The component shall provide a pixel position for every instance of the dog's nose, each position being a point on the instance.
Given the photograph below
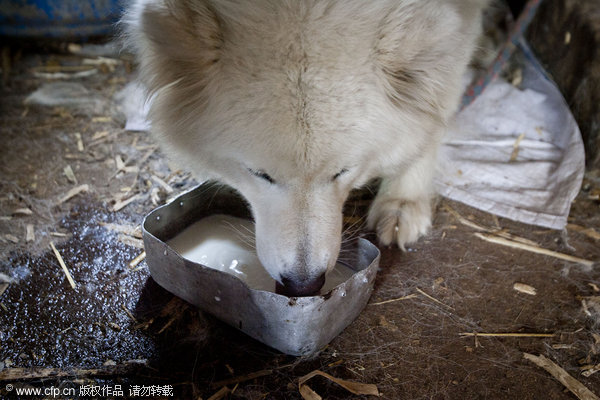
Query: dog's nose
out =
(298, 286)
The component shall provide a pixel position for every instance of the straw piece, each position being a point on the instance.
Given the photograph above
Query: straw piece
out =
(65, 75)
(590, 370)
(465, 221)
(561, 346)
(353, 387)
(433, 299)
(3, 287)
(168, 324)
(58, 234)
(516, 144)
(74, 192)
(562, 376)
(68, 171)
(5, 278)
(134, 263)
(80, 147)
(146, 156)
(99, 135)
(129, 314)
(482, 334)
(120, 164)
(497, 231)
(123, 203)
(308, 394)
(111, 63)
(29, 233)
(514, 238)
(524, 288)
(63, 266)
(410, 296)
(102, 119)
(23, 211)
(533, 249)
(162, 183)
(131, 241)
(589, 232)
(114, 326)
(129, 230)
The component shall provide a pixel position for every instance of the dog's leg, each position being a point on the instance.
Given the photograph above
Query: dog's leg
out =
(401, 212)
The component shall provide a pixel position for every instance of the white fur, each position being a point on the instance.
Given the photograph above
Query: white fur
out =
(301, 90)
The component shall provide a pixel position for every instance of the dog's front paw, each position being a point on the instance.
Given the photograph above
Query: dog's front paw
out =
(400, 221)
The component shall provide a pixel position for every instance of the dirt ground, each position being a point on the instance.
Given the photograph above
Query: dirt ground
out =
(414, 340)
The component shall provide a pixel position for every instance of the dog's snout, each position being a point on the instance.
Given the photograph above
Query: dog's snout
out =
(299, 286)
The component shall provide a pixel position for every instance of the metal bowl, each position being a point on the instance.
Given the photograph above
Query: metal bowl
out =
(292, 325)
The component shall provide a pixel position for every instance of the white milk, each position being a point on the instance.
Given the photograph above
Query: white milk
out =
(226, 243)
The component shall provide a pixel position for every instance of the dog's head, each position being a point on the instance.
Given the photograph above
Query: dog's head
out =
(296, 103)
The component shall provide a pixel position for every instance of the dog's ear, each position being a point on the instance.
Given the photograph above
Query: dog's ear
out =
(419, 46)
(180, 43)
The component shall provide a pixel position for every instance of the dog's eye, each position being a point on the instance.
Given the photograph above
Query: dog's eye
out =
(262, 175)
(342, 172)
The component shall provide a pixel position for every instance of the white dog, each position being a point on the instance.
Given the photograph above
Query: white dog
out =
(296, 102)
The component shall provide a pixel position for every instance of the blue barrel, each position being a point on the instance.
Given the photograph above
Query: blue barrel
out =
(58, 18)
